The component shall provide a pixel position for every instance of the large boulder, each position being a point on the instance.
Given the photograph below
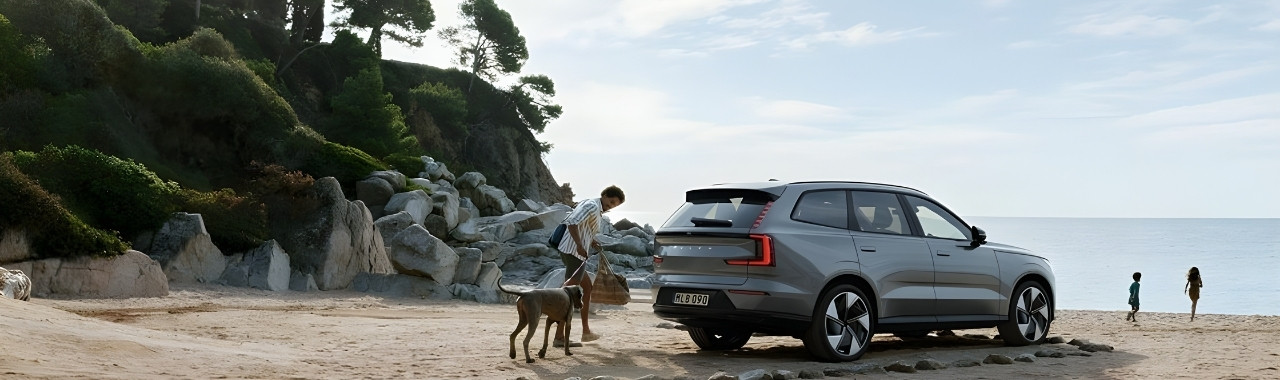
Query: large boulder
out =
(185, 251)
(436, 225)
(337, 240)
(491, 201)
(375, 193)
(395, 178)
(469, 260)
(446, 204)
(435, 170)
(627, 245)
(415, 252)
(390, 225)
(467, 232)
(496, 228)
(417, 203)
(132, 274)
(400, 285)
(14, 246)
(265, 267)
(14, 284)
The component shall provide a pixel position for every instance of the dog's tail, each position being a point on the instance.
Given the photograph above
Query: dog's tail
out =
(504, 290)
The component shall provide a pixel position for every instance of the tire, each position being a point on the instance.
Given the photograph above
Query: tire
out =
(842, 326)
(1030, 313)
(719, 339)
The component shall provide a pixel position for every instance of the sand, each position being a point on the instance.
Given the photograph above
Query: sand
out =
(203, 331)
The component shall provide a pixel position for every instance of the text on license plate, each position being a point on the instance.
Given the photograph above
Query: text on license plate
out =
(692, 299)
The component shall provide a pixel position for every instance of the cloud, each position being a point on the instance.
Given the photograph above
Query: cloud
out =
(644, 17)
(790, 13)
(1102, 25)
(1029, 44)
(861, 34)
(1273, 26)
(1160, 74)
(796, 111)
(1221, 112)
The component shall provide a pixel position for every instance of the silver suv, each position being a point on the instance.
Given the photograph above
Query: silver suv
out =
(832, 263)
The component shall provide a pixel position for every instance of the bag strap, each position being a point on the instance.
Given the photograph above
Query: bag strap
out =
(604, 265)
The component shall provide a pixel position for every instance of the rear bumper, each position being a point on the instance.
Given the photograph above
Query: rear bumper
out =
(721, 313)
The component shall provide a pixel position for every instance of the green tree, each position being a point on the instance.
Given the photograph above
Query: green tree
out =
(77, 33)
(446, 104)
(142, 17)
(402, 21)
(532, 98)
(364, 117)
(488, 42)
(18, 68)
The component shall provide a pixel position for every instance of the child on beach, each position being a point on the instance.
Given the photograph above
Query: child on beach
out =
(1133, 298)
(1192, 289)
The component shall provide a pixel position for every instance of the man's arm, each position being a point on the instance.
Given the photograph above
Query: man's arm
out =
(577, 239)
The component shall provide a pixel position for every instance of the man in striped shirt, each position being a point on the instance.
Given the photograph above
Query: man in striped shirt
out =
(582, 225)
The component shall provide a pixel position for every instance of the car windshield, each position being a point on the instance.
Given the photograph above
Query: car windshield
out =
(739, 207)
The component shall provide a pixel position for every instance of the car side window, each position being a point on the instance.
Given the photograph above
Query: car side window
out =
(936, 221)
(879, 212)
(828, 208)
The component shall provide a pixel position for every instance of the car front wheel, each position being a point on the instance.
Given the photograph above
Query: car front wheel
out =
(719, 339)
(842, 325)
(1030, 313)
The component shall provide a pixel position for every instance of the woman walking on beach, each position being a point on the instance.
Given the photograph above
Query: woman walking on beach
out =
(1133, 297)
(1193, 289)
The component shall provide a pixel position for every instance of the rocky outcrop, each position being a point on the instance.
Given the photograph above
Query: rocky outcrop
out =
(185, 251)
(338, 240)
(132, 274)
(415, 252)
(417, 203)
(265, 267)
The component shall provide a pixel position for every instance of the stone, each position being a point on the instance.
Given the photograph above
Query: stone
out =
(131, 274)
(417, 203)
(930, 364)
(390, 225)
(302, 282)
(489, 249)
(722, 376)
(469, 260)
(415, 252)
(466, 232)
(472, 292)
(812, 374)
(186, 252)
(1095, 347)
(374, 191)
(755, 374)
(1078, 342)
(529, 205)
(14, 284)
(400, 285)
(335, 241)
(997, 359)
(1050, 354)
(962, 363)
(436, 225)
(899, 367)
(1055, 340)
(446, 205)
(397, 180)
(976, 336)
(265, 267)
(1025, 358)
(489, 276)
(627, 245)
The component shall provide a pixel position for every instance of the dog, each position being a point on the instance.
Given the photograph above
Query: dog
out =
(556, 303)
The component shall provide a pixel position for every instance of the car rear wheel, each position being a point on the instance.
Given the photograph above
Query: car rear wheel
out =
(842, 326)
(1029, 315)
(719, 339)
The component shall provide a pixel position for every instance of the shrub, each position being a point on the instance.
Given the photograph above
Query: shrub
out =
(365, 118)
(54, 232)
(236, 223)
(102, 190)
(345, 163)
(447, 105)
(408, 164)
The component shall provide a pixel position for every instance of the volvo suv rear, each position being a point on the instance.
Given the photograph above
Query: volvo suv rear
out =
(832, 263)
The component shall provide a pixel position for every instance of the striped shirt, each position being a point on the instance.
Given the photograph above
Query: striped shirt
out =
(587, 217)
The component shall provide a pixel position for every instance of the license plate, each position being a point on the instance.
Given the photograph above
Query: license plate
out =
(694, 299)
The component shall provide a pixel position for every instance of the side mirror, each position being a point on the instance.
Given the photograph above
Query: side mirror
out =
(979, 236)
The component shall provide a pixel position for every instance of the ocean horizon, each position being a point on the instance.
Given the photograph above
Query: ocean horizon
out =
(1094, 259)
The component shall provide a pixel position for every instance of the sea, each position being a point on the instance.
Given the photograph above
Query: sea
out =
(1094, 260)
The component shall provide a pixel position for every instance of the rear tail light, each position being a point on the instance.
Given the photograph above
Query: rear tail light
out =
(764, 246)
(760, 218)
(657, 259)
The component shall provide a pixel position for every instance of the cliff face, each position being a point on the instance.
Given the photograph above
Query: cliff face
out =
(510, 160)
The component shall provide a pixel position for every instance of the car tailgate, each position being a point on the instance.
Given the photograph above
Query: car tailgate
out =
(700, 259)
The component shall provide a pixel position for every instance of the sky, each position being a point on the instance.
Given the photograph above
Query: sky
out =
(1166, 109)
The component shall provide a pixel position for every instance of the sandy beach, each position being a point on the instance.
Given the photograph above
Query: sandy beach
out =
(201, 331)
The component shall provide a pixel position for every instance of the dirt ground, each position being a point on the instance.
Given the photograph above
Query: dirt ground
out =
(220, 332)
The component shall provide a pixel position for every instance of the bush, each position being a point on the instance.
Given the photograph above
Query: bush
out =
(344, 163)
(407, 164)
(54, 231)
(365, 118)
(235, 223)
(447, 105)
(102, 190)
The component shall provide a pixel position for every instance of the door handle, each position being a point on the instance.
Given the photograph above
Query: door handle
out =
(867, 249)
(941, 253)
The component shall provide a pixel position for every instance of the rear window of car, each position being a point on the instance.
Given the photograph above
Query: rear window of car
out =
(739, 207)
